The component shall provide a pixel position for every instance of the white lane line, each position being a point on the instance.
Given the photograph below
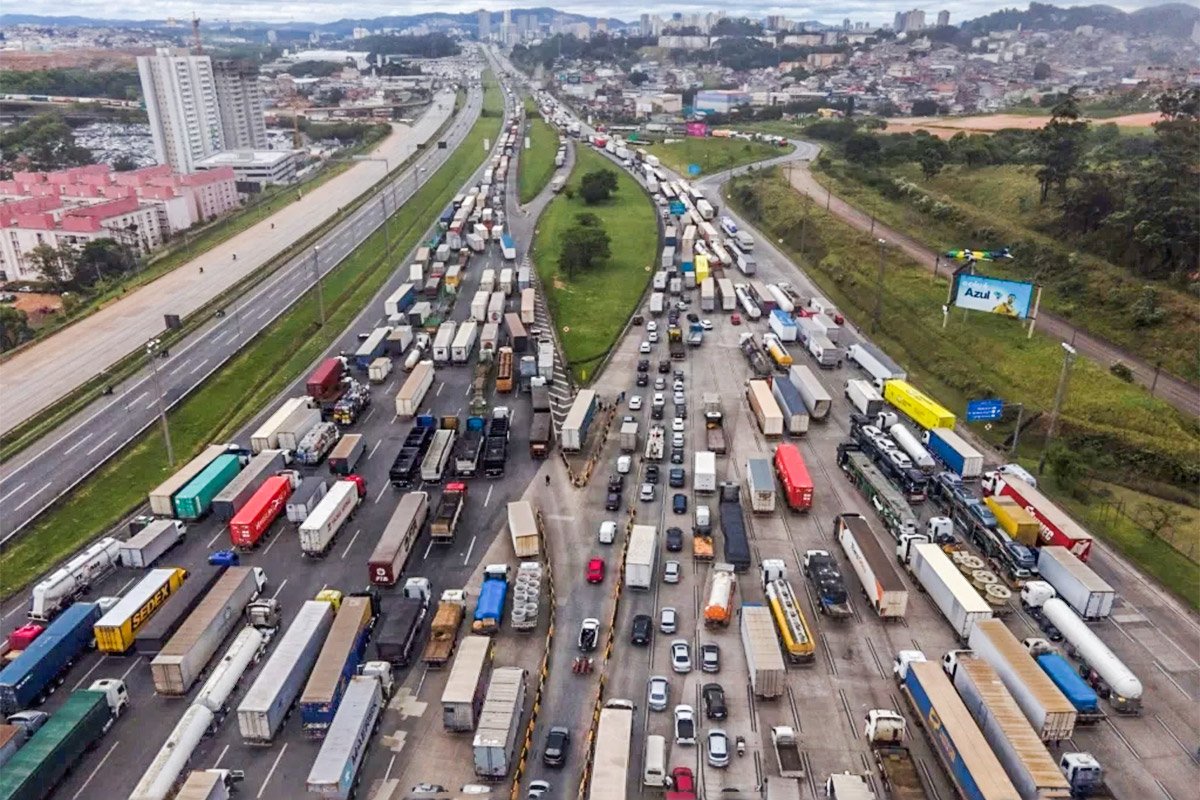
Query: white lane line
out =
(467, 560)
(138, 398)
(267, 549)
(99, 767)
(87, 674)
(428, 547)
(131, 666)
(488, 499)
(194, 369)
(128, 583)
(103, 442)
(279, 588)
(28, 500)
(352, 540)
(369, 413)
(14, 490)
(391, 386)
(182, 364)
(438, 393)
(391, 764)
(215, 537)
(267, 780)
(221, 757)
(13, 611)
(379, 496)
(151, 404)
(75, 446)
(373, 449)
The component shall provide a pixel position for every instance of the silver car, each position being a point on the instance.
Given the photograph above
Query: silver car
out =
(718, 748)
(681, 656)
(658, 693)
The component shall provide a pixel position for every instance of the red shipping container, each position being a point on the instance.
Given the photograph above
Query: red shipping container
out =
(797, 484)
(22, 637)
(325, 380)
(253, 519)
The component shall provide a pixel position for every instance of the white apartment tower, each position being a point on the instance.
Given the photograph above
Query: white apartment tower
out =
(181, 101)
(240, 103)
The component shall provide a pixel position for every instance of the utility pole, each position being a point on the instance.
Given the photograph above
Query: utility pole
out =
(1059, 396)
(152, 351)
(317, 275)
(878, 315)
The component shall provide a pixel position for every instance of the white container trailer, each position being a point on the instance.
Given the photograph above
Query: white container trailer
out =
(267, 435)
(816, 399)
(704, 476)
(949, 589)
(495, 309)
(228, 672)
(145, 547)
(881, 583)
(408, 399)
(1049, 711)
(443, 341)
(159, 780)
(267, 703)
(499, 722)
(911, 445)
(641, 556)
(321, 527)
(1083, 590)
(765, 409)
(462, 698)
(334, 773)
(464, 342)
(760, 482)
(243, 486)
(824, 351)
(487, 281)
(863, 397)
(791, 404)
(506, 280)
(297, 426)
(874, 362)
(831, 330)
(161, 496)
(763, 656)
(479, 305)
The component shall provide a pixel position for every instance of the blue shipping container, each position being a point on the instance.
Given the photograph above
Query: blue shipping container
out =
(1073, 687)
(934, 721)
(491, 600)
(24, 680)
(942, 450)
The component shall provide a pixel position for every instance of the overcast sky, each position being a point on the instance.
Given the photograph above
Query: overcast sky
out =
(279, 11)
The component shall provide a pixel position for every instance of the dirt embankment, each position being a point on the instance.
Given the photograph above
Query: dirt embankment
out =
(945, 127)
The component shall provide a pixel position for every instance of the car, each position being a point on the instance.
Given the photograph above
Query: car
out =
(558, 740)
(674, 539)
(658, 693)
(677, 439)
(653, 337)
(664, 367)
(682, 305)
(678, 385)
(1051, 630)
(651, 474)
(643, 379)
(671, 572)
(644, 347)
(651, 325)
(608, 531)
(677, 477)
(635, 403)
(595, 570)
(673, 316)
(710, 657)
(685, 725)
(677, 455)
(224, 558)
(538, 790)
(612, 502)
(706, 324)
(681, 656)
(681, 410)
(678, 398)
(678, 425)
(660, 384)
(679, 503)
(899, 459)
(616, 482)
(643, 365)
(668, 619)
(646, 495)
(643, 626)
(718, 748)
(624, 464)
(589, 634)
(683, 783)
(693, 317)
(714, 701)
(735, 319)
(678, 375)
(656, 413)
(659, 400)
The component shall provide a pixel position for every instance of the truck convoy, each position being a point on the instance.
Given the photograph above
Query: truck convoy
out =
(495, 739)
(762, 652)
(882, 585)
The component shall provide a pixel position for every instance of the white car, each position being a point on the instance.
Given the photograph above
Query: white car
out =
(635, 403)
(647, 493)
(706, 324)
(653, 337)
(644, 347)
(608, 531)
(667, 620)
(685, 725)
(589, 634)
(671, 572)
(651, 326)
(718, 748)
(677, 387)
(681, 656)
(677, 425)
(677, 439)
(624, 464)
(678, 397)
(658, 693)
(659, 399)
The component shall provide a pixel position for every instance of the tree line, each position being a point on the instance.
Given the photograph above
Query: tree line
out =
(71, 82)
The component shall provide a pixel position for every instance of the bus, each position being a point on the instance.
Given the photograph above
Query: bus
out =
(610, 761)
(889, 503)
(790, 623)
(504, 370)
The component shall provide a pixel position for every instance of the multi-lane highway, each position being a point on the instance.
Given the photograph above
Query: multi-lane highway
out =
(34, 478)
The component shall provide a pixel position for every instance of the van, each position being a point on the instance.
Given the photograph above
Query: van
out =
(654, 771)
(703, 520)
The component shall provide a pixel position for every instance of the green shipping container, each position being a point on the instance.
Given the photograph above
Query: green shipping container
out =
(193, 501)
(35, 769)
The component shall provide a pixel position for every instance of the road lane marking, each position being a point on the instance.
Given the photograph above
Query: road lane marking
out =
(369, 413)
(379, 496)
(151, 404)
(391, 764)
(391, 386)
(97, 769)
(75, 446)
(14, 490)
(221, 757)
(194, 369)
(279, 588)
(181, 366)
(138, 398)
(428, 547)
(105, 441)
(214, 538)
(438, 393)
(28, 500)
(352, 539)
(271, 772)
(488, 499)
(467, 560)
(128, 583)
(373, 449)
(99, 661)
(267, 549)
(131, 666)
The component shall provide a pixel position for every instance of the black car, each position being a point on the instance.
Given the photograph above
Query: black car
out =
(676, 477)
(557, 743)
(664, 366)
(651, 473)
(1051, 630)
(674, 539)
(643, 379)
(693, 317)
(678, 375)
(643, 626)
(616, 482)
(714, 701)
(612, 502)
(676, 455)
(673, 316)
(656, 413)
(644, 365)
(681, 410)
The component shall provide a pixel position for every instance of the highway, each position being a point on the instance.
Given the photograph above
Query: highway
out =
(36, 477)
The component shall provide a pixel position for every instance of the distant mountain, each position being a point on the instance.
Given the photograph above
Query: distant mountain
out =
(1170, 19)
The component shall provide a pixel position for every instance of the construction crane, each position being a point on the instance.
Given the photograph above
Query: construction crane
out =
(197, 45)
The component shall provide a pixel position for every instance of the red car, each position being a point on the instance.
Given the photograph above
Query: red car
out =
(683, 785)
(595, 570)
(735, 319)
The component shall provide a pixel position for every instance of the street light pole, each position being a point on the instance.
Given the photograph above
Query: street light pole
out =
(317, 275)
(1059, 396)
(875, 318)
(152, 354)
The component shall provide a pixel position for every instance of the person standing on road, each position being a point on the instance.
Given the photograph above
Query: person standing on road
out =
(547, 480)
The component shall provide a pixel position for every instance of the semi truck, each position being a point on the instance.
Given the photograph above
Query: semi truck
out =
(1066, 678)
(816, 399)
(162, 497)
(950, 591)
(863, 398)
(953, 451)
(821, 569)
(443, 631)
(345, 455)
(297, 426)
(718, 605)
(468, 449)
(400, 622)
(115, 630)
(305, 498)
(916, 405)
(523, 529)
(790, 623)
(86, 716)
(35, 673)
(266, 437)
(194, 500)
(463, 695)
(270, 698)
(886, 732)
(755, 355)
(574, 430)
(765, 661)
(238, 492)
(344, 649)
(495, 445)
(1057, 528)
(912, 446)
(489, 609)
(252, 521)
(794, 477)
(1090, 596)
(760, 484)
(386, 563)
(151, 542)
(791, 405)
(248, 646)
(155, 632)
(448, 513)
(61, 588)
(875, 363)
(414, 389)
(881, 583)
(733, 526)
(321, 527)
(494, 745)
(1021, 526)
(405, 469)
(180, 662)
(335, 771)
(527, 596)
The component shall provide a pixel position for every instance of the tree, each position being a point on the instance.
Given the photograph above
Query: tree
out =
(637, 77)
(1041, 71)
(584, 245)
(45, 142)
(925, 108)
(1061, 146)
(14, 327)
(124, 163)
(597, 187)
(55, 264)
(102, 258)
(932, 161)
(862, 148)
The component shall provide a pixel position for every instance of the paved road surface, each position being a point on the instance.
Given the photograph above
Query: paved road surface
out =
(36, 377)
(37, 476)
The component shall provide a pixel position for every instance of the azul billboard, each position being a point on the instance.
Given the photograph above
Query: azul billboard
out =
(993, 295)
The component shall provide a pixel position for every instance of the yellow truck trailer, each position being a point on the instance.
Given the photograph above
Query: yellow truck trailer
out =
(1014, 520)
(917, 405)
(116, 629)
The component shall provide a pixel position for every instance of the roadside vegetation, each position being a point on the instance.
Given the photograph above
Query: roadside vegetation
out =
(280, 354)
(713, 154)
(591, 302)
(1109, 430)
(536, 165)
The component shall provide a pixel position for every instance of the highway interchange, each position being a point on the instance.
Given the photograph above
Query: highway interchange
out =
(1148, 756)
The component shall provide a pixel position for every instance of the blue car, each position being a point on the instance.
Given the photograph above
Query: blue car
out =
(224, 558)
(679, 503)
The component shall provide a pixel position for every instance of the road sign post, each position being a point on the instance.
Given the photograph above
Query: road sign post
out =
(985, 410)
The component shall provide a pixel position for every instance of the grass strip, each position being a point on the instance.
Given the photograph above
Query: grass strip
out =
(591, 308)
(280, 353)
(713, 154)
(33, 429)
(536, 165)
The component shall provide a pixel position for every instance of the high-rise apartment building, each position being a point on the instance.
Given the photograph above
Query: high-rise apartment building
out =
(943, 19)
(240, 105)
(180, 91)
(485, 24)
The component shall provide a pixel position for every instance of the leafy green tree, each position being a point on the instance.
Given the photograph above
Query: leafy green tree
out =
(862, 148)
(637, 77)
(1061, 142)
(124, 163)
(1041, 71)
(932, 161)
(100, 259)
(925, 108)
(45, 142)
(14, 327)
(584, 245)
(597, 187)
(56, 264)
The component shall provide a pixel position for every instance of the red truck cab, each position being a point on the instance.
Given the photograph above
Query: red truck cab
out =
(683, 785)
(359, 481)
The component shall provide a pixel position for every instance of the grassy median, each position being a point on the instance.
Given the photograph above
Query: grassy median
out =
(591, 309)
(250, 380)
(536, 165)
(713, 154)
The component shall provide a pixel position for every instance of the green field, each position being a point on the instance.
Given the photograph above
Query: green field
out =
(713, 155)
(536, 165)
(249, 381)
(1117, 428)
(591, 309)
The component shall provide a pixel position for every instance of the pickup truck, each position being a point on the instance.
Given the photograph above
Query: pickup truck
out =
(787, 752)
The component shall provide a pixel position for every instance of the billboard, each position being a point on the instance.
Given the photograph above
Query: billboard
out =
(993, 295)
(697, 129)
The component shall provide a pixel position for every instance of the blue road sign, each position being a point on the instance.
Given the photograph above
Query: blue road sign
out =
(677, 208)
(693, 169)
(984, 410)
